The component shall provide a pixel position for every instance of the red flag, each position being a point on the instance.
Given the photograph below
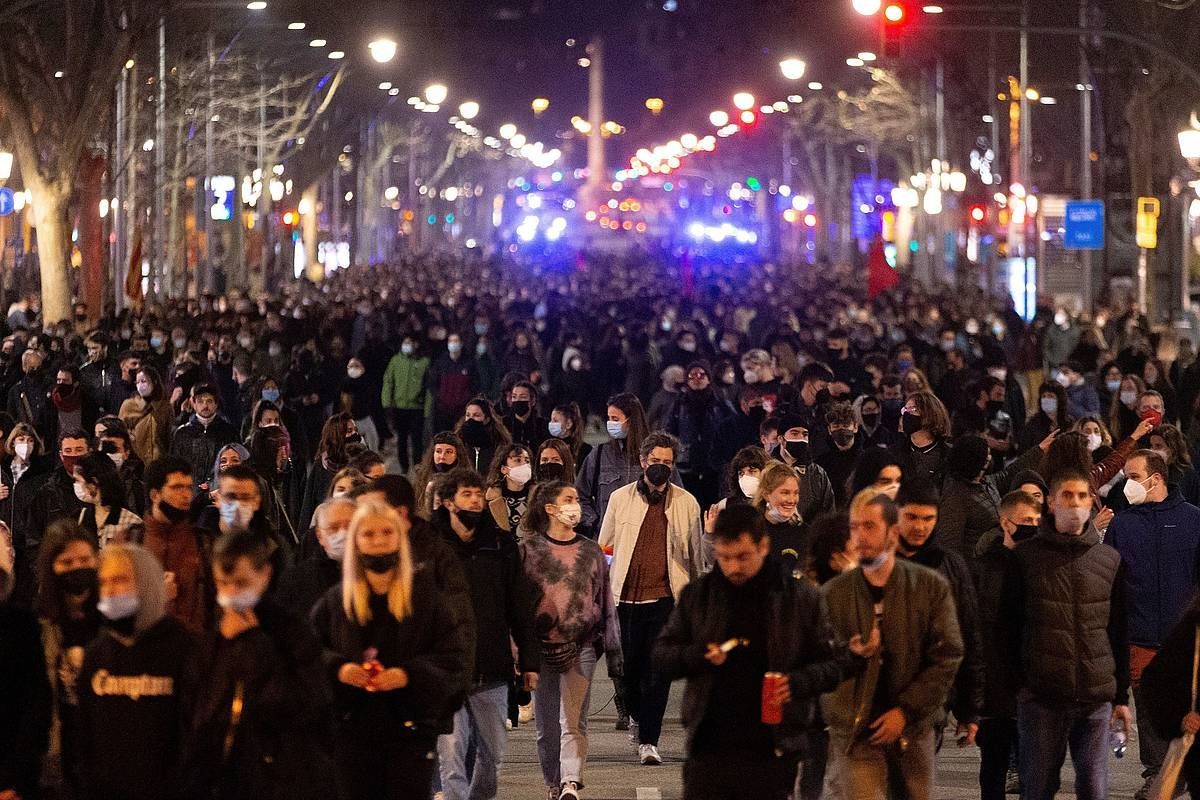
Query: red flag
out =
(133, 278)
(880, 275)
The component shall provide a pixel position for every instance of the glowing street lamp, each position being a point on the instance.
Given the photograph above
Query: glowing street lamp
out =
(539, 105)
(382, 50)
(1189, 146)
(436, 94)
(469, 110)
(654, 105)
(868, 8)
(792, 68)
(719, 119)
(508, 130)
(6, 165)
(743, 101)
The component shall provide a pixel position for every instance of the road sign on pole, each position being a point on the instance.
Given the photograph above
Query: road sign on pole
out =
(1147, 222)
(1084, 225)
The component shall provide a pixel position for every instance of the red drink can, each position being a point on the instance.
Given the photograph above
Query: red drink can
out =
(772, 712)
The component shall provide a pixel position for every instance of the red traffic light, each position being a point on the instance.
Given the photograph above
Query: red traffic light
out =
(978, 213)
(894, 13)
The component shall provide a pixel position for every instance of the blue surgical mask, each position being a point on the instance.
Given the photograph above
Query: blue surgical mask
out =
(335, 545)
(270, 395)
(118, 606)
(617, 430)
(556, 429)
(156, 342)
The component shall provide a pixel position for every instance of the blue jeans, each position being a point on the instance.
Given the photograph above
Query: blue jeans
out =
(480, 721)
(560, 709)
(1046, 731)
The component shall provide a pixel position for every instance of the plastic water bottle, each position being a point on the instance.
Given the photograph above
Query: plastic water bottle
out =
(1116, 739)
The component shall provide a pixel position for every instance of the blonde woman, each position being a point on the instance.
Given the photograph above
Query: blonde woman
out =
(398, 657)
(778, 499)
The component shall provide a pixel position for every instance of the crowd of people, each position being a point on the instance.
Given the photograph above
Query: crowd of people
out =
(338, 542)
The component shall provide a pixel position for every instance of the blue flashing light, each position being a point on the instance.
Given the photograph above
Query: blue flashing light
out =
(432, 219)
(449, 219)
(668, 187)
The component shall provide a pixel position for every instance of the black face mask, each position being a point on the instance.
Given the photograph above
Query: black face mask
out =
(994, 407)
(470, 519)
(893, 406)
(64, 388)
(799, 451)
(172, 513)
(442, 467)
(823, 397)
(835, 353)
(353, 438)
(757, 414)
(76, 581)
(1024, 532)
(475, 433)
(658, 474)
(550, 471)
(380, 564)
(870, 420)
(843, 439)
(910, 424)
(520, 407)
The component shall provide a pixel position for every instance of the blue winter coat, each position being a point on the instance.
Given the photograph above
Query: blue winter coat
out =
(1159, 544)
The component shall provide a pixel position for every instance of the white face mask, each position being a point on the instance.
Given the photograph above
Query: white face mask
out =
(890, 489)
(85, 496)
(335, 545)
(569, 514)
(354, 372)
(118, 459)
(748, 484)
(1093, 442)
(520, 474)
(1071, 520)
(1135, 492)
(23, 449)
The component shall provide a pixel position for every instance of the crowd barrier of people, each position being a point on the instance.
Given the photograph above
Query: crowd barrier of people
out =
(340, 541)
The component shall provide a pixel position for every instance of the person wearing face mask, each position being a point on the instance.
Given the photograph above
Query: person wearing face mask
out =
(1059, 340)
(54, 495)
(21, 473)
(1168, 442)
(873, 433)
(673, 381)
(114, 441)
(503, 605)
(148, 416)
(694, 419)
(239, 506)
(522, 420)
(654, 530)
(1020, 516)
(397, 655)
(744, 478)
(262, 687)
(794, 450)
(738, 430)
(1051, 415)
(1158, 539)
(308, 579)
(614, 463)
(98, 486)
(925, 431)
(204, 434)
(178, 545)
(445, 452)
(362, 394)
(814, 400)
(970, 500)
(449, 381)
(67, 406)
(483, 433)
(406, 398)
(66, 607)
(840, 461)
(575, 622)
(918, 504)
(567, 424)
(137, 686)
(1073, 657)
(25, 697)
(899, 697)
(510, 482)
(1123, 416)
(28, 397)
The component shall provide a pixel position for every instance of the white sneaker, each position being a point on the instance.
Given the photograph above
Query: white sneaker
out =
(648, 753)
(570, 791)
(508, 724)
(525, 713)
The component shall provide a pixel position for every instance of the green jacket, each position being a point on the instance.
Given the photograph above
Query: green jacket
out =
(404, 384)
(920, 633)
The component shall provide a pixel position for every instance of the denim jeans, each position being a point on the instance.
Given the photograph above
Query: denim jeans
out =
(1046, 731)
(560, 710)
(646, 691)
(479, 721)
(864, 771)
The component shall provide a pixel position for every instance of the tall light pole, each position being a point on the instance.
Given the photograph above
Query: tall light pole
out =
(1085, 145)
(158, 262)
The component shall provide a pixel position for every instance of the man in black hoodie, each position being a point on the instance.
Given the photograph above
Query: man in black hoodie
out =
(503, 605)
(918, 504)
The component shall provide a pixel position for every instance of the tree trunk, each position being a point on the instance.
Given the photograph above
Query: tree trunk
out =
(92, 274)
(313, 268)
(53, 242)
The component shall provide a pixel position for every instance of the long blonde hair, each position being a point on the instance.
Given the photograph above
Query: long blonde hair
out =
(356, 592)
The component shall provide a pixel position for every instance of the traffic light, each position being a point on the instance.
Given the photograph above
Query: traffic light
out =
(894, 17)
(978, 213)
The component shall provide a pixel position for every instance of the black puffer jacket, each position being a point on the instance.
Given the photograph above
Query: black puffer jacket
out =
(500, 594)
(1066, 618)
(24, 700)
(800, 643)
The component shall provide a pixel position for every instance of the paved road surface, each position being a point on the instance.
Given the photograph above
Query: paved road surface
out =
(614, 774)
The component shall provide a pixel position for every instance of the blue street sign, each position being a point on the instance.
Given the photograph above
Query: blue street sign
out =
(1084, 225)
(7, 202)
